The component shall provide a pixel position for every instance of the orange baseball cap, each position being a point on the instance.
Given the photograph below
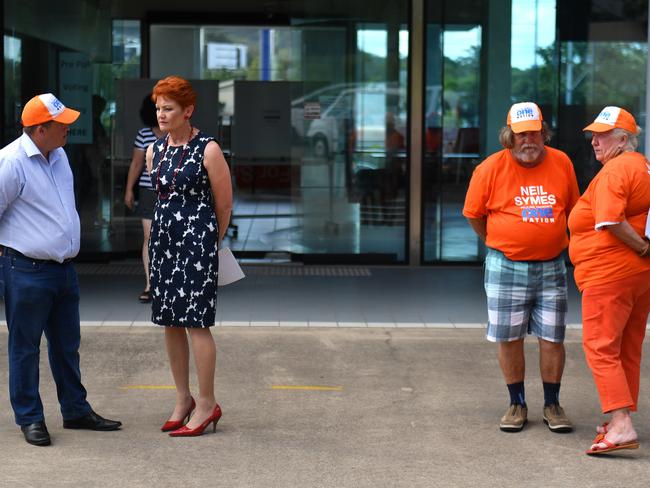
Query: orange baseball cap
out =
(611, 118)
(524, 116)
(46, 107)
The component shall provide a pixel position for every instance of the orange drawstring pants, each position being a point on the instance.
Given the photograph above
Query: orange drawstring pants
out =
(614, 317)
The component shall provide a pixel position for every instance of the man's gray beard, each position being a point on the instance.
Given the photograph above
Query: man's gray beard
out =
(526, 158)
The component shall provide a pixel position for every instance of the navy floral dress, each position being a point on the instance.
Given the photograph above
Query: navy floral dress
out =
(183, 244)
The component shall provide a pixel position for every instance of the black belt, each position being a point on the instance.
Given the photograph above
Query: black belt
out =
(8, 251)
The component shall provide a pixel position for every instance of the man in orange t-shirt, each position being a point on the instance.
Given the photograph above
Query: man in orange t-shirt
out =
(518, 202)
(610, 251)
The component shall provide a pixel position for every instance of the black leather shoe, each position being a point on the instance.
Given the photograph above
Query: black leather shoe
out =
(92, 421)
(36, 434)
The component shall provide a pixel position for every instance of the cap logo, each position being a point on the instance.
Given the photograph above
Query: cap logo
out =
(46, 107)
(524, 111)
(53, 105)
(608, 115)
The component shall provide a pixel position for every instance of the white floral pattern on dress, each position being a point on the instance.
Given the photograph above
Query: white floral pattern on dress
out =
(183, 243)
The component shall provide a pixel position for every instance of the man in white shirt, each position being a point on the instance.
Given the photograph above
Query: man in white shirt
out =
(39, 235)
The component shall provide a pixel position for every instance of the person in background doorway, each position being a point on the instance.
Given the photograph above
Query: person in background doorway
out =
(517, 203)
(610, 251)
(93, 162)
(39, 235)
(138, 172)
(192, 181)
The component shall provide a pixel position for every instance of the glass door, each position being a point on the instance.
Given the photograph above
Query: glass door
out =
(451, 123)
(603, 55)
(312, 117)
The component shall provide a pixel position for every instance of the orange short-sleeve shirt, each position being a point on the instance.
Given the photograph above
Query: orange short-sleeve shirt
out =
(620, 191)
(526, 208)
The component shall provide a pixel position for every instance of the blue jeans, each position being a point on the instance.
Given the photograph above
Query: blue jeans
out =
(42, 297)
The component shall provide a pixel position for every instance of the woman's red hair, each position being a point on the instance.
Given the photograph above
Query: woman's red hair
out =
(175, 88)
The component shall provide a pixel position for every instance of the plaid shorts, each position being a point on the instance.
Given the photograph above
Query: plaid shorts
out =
(525, 297)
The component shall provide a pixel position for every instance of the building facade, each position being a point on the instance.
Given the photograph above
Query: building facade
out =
(351, 127)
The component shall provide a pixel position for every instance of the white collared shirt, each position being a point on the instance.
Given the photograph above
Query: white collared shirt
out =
(37, 209)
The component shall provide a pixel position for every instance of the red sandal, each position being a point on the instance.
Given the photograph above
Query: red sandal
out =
(610, 446)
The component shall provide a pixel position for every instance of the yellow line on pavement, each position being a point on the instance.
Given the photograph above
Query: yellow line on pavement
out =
(309, 388)
(147, 387)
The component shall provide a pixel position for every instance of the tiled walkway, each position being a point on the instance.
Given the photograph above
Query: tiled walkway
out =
(311, 296)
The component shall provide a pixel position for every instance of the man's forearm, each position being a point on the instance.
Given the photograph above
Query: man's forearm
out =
(479, 226)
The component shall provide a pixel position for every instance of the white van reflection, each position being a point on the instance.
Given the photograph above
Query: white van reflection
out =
(357, 117)
(354, 119)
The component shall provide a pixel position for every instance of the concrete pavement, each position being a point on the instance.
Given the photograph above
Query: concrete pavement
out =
(402, 406)
(407, 408)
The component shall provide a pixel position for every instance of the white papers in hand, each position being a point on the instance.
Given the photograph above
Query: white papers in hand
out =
(229, 269)
(647, 226)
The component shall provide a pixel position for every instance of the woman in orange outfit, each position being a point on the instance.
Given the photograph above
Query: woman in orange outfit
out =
(611, 256)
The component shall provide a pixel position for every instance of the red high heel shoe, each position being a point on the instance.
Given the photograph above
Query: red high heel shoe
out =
(177, 424)
(185, 431)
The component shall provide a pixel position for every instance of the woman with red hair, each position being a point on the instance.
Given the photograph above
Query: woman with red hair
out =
(192, 211)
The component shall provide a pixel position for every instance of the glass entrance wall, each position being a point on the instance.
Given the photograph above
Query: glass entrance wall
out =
(12, 82)
(354, 138)
(312, 118)
(452, 125)
(64, 48)
(572, 58)
(311, 106)
(534, 56)
(603, 56)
